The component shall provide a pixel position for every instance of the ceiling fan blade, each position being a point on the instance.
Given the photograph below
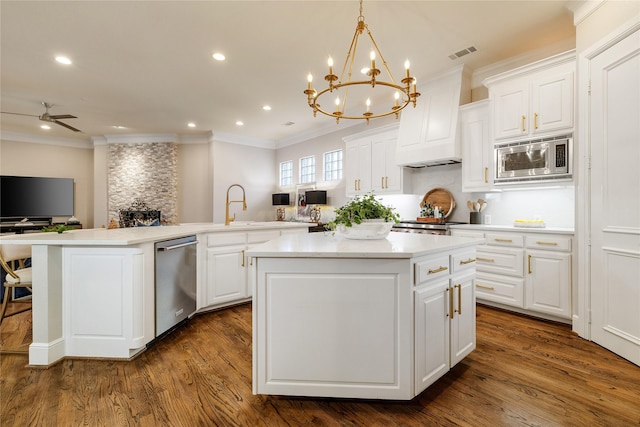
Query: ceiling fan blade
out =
(18, 114)
(62, 116)
(66, 126)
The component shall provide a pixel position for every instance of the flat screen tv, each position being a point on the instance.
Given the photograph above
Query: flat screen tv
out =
(30, 197)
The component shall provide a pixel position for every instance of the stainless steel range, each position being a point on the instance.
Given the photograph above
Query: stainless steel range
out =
(424, 227)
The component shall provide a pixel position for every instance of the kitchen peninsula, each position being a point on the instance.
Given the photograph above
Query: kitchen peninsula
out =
(375, 319)
(94, 289)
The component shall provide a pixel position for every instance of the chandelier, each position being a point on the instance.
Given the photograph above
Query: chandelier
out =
(400, 95)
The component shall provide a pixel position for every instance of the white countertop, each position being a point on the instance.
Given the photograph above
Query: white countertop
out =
(136, 235)
(328, 245)
(484, 227)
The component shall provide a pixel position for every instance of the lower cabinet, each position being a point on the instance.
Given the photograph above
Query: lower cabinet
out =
(445, 319)
(225, 265)
(529, 271)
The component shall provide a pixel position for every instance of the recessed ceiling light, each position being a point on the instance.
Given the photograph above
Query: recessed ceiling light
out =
(266, 107)
(239, 123)
(45, 127)
(218, 56)
(191, 125)
(63, 60)
(118, 127)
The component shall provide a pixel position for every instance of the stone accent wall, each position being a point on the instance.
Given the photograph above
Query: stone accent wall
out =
(147, 172)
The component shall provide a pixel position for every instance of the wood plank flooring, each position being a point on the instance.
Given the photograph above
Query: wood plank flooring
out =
(524, 372)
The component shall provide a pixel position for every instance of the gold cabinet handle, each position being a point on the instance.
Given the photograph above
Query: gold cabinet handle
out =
(547, 243)
(523, 119)
(490, 288)
(485, 259)
(535, 120)
(467, 261)
(504, 240)
(437, 270)
(486, 173)
(382, 182)
(243, 258)
(450, 290)
(459, 298)
(386, 182)
(529, 263)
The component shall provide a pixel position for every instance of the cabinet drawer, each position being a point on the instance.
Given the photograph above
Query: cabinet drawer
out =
(552, 243)
(431, 268)
(505, 290)
(263, 236)
(468, 233)
(510, 240)
(225, 239)
(500, 260)
(463, 261)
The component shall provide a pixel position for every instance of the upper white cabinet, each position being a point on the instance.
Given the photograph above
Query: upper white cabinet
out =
(477, 146)
(533, 100)
(370, 164)
(428, 133)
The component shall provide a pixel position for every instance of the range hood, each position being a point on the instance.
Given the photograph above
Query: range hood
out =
(428, 134)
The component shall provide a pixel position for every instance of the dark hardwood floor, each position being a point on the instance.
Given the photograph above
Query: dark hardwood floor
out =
(524, 372)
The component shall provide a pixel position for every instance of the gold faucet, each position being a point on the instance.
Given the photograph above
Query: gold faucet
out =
(228, 219)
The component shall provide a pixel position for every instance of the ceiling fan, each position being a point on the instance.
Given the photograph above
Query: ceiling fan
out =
(46, 117)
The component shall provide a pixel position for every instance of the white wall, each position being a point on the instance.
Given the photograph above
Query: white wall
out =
(251, 167)
(22, 158)
(195, 183)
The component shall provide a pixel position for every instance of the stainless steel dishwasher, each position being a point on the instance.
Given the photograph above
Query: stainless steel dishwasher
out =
(175, 282)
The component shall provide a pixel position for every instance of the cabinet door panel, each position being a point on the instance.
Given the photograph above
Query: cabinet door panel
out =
(552, 104)
(511, 105)
(226, 276)
(432, 336)
(463, 324)
(548, 281)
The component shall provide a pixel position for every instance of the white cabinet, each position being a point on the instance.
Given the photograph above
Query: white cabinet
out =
(548, 281)
(108, 305)
(225, 277)
(533, 100)
(529, 272)
(357, 166)
(444, 310)
(477, 147)
(428, 133)
(370, 165)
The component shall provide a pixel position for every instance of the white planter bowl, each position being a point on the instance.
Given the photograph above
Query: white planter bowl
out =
(368, 230)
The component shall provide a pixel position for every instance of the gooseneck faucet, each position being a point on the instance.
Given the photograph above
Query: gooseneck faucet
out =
(228, 219)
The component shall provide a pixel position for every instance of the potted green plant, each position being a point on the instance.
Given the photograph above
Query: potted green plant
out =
(364, 218)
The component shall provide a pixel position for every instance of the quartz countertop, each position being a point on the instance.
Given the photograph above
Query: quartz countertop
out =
(137, 235)
(485, 227)
(328, 245)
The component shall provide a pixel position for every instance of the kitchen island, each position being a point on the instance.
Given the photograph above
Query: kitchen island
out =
(94, 289)
(375, 319)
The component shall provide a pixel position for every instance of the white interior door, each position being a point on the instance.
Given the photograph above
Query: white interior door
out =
(615, 198)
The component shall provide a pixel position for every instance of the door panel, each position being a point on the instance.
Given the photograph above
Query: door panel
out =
(615, 199)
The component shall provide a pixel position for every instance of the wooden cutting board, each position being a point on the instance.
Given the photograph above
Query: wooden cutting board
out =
(441, 198)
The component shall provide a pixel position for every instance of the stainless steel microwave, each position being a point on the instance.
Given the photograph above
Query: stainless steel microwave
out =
(534, 160)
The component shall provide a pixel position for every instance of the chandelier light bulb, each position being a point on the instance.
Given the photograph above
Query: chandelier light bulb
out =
(372, 56)
(309, 79)
(330, 63)
(406, 67)
(396, 96)
(338, 103)
(368, 105)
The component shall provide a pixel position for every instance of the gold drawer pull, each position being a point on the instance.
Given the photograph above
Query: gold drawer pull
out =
(486, 180)
(491, 288)
(485, 259)
(504, 240)
(547, 243)
(468, 261)
(522, 127)
(437, 270)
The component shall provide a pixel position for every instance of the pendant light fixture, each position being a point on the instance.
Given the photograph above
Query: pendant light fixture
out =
(398, 95)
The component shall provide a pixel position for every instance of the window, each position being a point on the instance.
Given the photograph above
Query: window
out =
(333, 165)
(307, 169)
(286, 173)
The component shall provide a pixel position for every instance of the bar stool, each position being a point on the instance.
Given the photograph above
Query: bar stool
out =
(12, 259)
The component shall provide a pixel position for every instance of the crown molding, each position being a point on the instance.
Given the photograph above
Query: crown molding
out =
(235, 139)
(46, 140)
(582, 10)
